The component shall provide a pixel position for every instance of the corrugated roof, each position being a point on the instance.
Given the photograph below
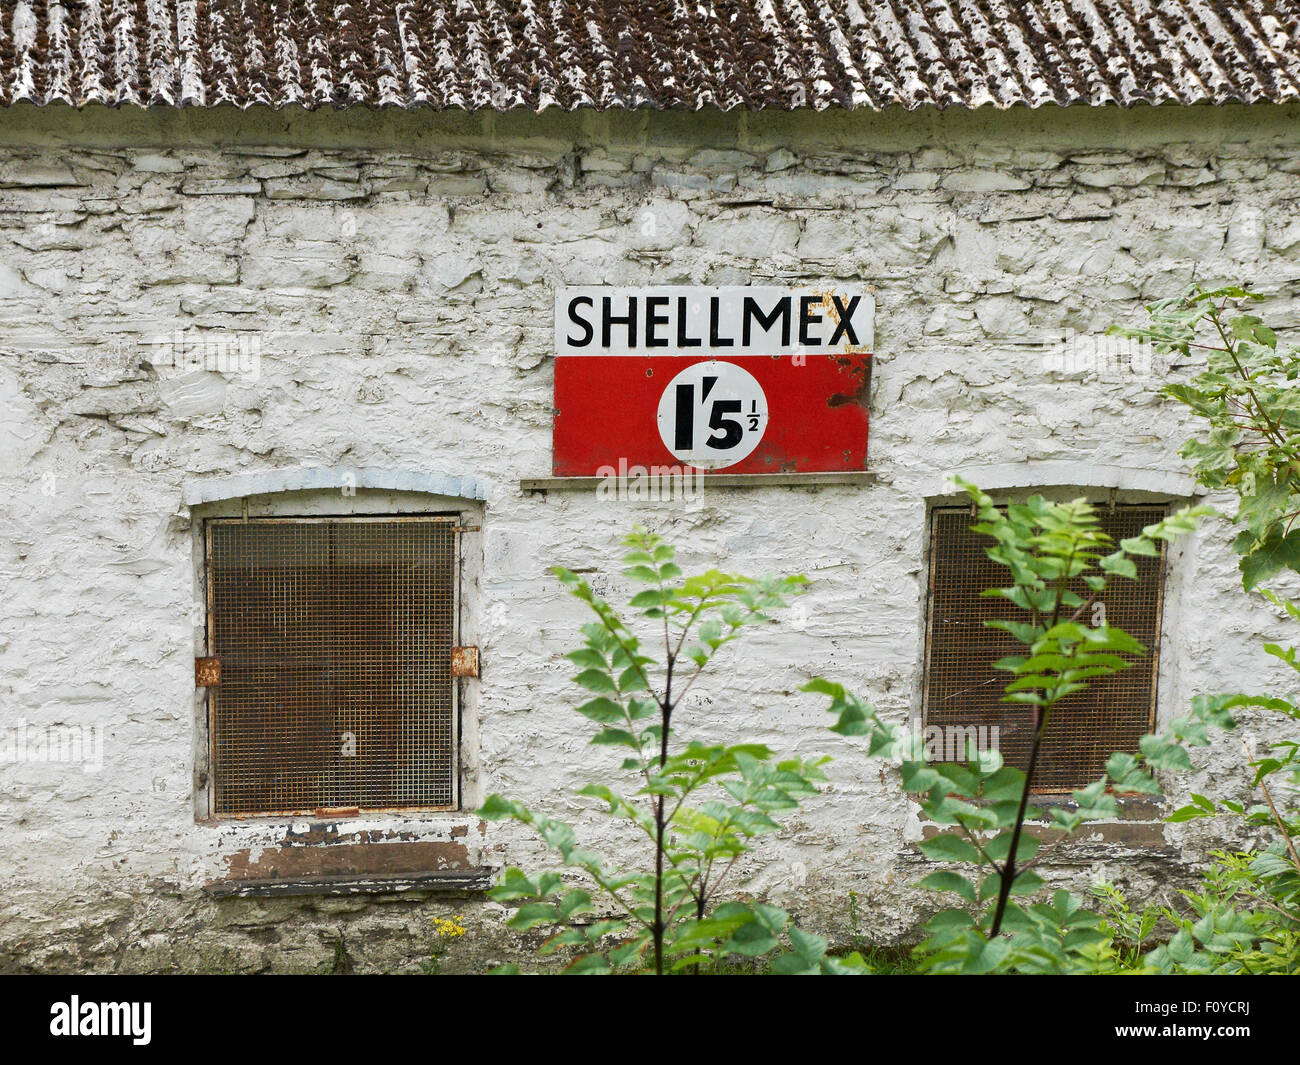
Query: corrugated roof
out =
(535, 54)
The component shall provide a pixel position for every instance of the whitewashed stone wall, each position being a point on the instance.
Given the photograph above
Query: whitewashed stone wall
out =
(397, 274)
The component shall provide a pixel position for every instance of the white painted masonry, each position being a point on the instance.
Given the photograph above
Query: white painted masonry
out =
(397, 272)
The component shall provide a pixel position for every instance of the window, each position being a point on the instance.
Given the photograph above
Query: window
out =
(963, 690)
(334, 637)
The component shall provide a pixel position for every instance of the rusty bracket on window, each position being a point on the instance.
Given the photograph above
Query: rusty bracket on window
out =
(207, 672)
(328, 813)
(464, 662)
(466, 528)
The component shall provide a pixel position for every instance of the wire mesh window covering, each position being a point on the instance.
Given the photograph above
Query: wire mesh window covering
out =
(335, 640)
(962, 689)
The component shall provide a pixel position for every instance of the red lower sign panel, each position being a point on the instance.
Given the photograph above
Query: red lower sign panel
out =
(748, 414)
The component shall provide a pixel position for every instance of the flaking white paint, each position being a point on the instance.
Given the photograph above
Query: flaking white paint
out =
(401, 285)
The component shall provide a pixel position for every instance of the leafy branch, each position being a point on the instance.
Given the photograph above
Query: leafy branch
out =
(1059, 561)
(699, 806)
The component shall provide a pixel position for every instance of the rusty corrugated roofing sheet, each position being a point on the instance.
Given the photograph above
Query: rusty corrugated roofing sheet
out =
(535, 54)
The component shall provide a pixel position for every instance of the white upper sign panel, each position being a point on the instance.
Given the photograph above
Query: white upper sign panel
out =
(713, 322)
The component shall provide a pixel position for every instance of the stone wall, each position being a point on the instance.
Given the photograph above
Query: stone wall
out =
(394, 275)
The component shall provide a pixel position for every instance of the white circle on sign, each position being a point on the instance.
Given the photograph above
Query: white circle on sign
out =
(712, 415)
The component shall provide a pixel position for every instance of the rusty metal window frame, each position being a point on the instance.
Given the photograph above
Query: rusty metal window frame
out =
(453, 519)
(1157, 567)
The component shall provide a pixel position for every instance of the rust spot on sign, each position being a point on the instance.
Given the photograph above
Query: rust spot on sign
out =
(207, 672)
(464, 661)
(859, 368)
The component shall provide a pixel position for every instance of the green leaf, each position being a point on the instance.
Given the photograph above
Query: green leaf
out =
(949, 920)
(919, 777)
(1119, 564)
(822, 686)
(1187, 813)
(1026, 883)
(497, 808)
(596, 680)
(1006, 783)
(587, 965)
(532, 914)
(805, 959)
(602, 710)
(586, 656)
(615, 737)
(651, 597)
(1269, 556)
(948, 847)
(945, 880)
(1000, 846)
(1160, 753)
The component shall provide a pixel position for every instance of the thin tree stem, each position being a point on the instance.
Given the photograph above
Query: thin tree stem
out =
(1277, 818)
(1008, 872)
(665, 718)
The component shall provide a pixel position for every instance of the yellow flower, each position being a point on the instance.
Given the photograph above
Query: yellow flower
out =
(448, 928)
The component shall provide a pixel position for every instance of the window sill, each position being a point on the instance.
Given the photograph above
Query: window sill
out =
(1132, 806)
(1139, 826)
(437, 882)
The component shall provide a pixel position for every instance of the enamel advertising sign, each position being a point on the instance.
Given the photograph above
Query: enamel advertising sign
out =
(741, 380)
